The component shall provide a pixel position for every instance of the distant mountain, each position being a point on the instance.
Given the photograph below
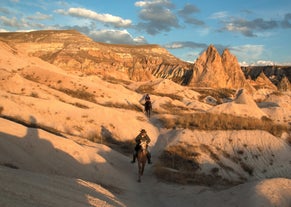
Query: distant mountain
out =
(73, 51)
(278, 75)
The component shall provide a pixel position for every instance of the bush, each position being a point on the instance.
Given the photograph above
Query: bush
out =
(80, 94)
(209, 121)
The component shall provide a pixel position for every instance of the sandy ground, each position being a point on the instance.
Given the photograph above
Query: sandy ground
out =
(39, 167)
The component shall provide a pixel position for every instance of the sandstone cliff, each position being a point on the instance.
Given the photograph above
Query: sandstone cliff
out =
(213, 70)
(263, 82)
(73, 51)
(274, 73)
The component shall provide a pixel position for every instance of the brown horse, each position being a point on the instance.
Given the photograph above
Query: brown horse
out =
(141, 159)
(148, 107)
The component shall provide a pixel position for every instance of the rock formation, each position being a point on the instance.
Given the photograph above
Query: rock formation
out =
(263, 82)
(274, 73)
(73, 51)
(213, 70)
(284, 84)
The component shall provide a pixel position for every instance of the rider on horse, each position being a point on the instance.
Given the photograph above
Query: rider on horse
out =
(147, 97)
(141, 137)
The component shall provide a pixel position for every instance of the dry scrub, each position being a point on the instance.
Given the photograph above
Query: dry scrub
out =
(80, 94)
(179, 164)
(219, 94)
(208, 121)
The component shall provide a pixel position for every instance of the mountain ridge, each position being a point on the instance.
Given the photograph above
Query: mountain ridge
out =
(73, 51)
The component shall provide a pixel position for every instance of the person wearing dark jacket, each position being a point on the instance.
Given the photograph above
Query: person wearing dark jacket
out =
(147, 97)
(142, 136)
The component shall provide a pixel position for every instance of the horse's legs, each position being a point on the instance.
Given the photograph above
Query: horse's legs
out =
(148, 113)
(142, 168)
(139, 172)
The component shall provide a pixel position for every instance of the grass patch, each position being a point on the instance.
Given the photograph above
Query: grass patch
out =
(219, 94)
(209, 121)
(114, 80)
(79, 93)
(133, 107)
(179, 164)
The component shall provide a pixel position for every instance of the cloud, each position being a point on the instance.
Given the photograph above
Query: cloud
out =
(89, 14)
(188, 10)
(4, 10)
(249, 28)
(219, 15)
(20, 23)
(116, 37)
(251, 53)
(186, 13)
(185, 44)
(156, 16)
(286, 22)
(10, 22)
(39, 16)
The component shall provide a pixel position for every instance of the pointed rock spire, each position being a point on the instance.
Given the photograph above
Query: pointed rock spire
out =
(213, 70)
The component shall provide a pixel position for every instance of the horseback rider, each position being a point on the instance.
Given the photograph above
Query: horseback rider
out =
(142, 136)
(147, 97)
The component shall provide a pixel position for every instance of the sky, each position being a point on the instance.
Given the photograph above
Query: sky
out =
(256, 31)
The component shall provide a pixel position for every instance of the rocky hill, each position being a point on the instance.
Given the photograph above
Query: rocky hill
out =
(280, 76)
(70, 135)
(218, 71)
(73, 51)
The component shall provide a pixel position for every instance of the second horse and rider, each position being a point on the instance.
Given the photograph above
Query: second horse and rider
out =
(142, 136)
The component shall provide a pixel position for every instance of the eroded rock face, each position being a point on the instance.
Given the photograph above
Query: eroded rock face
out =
(213, 70)
(284, 84)
(263, 82)
(73, 51)
(274, 73)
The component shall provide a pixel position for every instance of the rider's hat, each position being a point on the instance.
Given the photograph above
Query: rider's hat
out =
(143, 131)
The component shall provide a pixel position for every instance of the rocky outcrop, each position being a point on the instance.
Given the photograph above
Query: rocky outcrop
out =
(263, 82)
(213, 70)
(274, 73)
(284, 85)
(73, 51)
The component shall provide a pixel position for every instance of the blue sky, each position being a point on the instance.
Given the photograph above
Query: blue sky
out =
(256, 31)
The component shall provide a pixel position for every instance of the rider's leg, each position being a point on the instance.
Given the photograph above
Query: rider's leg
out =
(133, 157)
(149, 157)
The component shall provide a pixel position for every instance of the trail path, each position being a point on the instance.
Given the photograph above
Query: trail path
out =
(151, 192)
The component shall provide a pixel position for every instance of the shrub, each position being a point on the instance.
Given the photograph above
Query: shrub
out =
(209, 121)
(80, 94)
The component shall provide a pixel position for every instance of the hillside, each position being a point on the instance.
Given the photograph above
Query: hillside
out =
(69, 134)
(73, 51)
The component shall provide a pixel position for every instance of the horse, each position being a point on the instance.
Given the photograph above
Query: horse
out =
(141, 158)
(148, 107)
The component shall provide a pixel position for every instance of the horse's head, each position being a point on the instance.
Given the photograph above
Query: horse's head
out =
(143, 145)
